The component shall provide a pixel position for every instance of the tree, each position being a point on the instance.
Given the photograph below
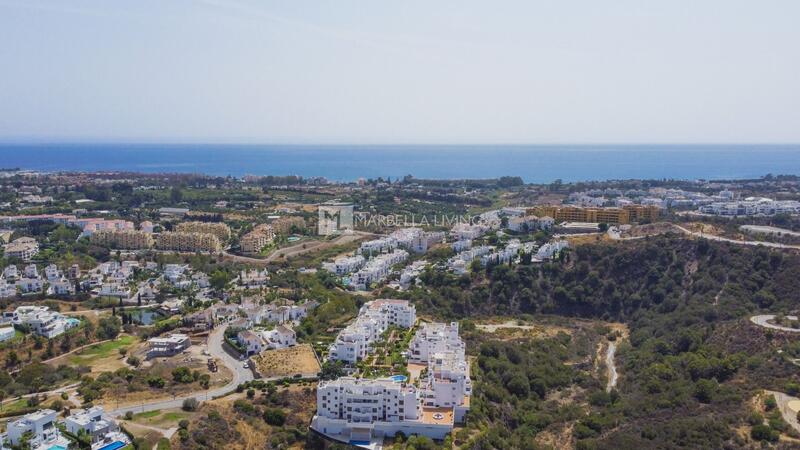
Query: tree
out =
(190, 404)
(176, 195)
(109, 327)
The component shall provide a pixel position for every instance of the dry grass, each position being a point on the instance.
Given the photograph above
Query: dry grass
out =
(287, 362)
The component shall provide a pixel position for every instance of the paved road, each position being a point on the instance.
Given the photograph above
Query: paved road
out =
(783, 405)
(762, 321)
(240, 375)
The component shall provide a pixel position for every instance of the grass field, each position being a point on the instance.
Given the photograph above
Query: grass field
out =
(161, 418)
(101, 351)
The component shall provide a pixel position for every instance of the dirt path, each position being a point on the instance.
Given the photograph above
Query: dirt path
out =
(611, 366)
(298, 249)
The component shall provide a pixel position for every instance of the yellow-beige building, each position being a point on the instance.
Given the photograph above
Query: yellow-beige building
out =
(188, 242)
(122, 239)
(218, 229)
(252, 242)
(283, 225)
(614, 216)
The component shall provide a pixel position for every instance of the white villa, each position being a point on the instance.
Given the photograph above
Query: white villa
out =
(100, 426)
(42, 321)
(42, 426)
(168, 346)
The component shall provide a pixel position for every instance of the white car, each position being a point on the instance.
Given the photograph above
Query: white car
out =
(246, 365)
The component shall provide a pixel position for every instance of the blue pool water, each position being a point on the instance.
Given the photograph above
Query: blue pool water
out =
(399, 378)
(113, 446)
(57, 447)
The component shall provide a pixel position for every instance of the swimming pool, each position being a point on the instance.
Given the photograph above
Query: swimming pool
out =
(113, 446)
(57, 447)
(399, 378)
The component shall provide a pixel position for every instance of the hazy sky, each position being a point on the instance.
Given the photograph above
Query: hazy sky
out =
(339, 71)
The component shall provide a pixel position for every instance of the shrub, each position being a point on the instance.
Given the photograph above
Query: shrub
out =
(190, 404)
(274, 416)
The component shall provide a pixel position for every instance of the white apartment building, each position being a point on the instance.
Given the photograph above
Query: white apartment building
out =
(432, 338)
(7, 290)
(52, 273)
(23, 248)
(377, 269)
(31, 271)
(460, 246)
(752, 206)
(7, 333)
(549, 249)
(11, 273)
(358, 410)
(460, 262)
(411, 273)
(30, 285)
(353, 342)
(344, 265)
(361, 411)
(42, 425)
(61, 287)
(253, 277)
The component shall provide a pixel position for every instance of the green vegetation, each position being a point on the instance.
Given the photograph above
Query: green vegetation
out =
(691, 348)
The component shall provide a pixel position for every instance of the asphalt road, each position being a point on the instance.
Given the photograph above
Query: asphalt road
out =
(762, 321)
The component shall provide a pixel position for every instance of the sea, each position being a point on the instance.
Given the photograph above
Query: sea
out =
(534, 163)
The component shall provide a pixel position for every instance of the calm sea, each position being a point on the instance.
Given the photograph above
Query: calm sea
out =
(534, 163)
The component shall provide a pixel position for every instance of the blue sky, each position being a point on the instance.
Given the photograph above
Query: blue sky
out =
(400, 72)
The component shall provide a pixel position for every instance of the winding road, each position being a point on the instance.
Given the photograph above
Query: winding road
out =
(763, 321)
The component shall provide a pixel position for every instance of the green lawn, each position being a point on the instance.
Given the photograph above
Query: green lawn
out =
(100, 351)
(161, 419)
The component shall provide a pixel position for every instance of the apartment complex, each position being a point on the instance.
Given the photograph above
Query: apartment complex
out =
(377, 269)
(188, 242)
(123, 239)
(23, 248)
(363, 411)
(218, 229)
(624, 215)
(411, 239)
(752, 206)
(283, 225)
(353, 342)
(261, 236)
